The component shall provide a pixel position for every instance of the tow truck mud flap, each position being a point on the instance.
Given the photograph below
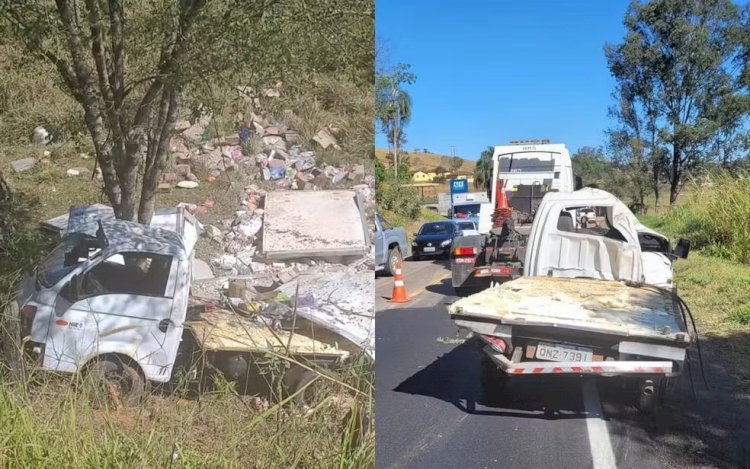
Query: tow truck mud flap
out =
(603, 368)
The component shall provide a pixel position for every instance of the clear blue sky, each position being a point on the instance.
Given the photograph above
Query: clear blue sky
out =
(490, 71)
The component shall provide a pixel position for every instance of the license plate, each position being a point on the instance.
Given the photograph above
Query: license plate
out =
(562, 354)
(464, 260)
(429, 249)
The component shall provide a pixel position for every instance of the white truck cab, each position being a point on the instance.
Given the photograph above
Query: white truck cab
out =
(619, 247)
(112, 287)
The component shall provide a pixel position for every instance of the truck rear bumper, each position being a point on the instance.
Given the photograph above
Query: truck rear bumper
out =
(603, 368)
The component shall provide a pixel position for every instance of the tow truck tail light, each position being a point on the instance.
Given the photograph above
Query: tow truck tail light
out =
(465, 251)
(496, 343)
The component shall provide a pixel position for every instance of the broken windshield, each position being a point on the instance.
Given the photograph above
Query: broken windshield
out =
(72, 250)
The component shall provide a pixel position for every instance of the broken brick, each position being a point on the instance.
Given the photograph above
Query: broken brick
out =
(171, 177)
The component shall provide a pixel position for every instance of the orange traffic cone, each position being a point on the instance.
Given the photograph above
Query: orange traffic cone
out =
(399, 290)
(502, 198)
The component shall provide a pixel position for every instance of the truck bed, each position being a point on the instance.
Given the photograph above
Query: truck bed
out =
(599, 306)
(223, 330)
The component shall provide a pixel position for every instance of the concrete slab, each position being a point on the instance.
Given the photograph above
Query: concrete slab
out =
(316, 224)
(201, 270)
(23, 164)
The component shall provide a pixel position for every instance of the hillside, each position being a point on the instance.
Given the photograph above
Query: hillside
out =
(419, 161)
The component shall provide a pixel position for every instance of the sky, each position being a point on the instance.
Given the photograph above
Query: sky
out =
(491, 71)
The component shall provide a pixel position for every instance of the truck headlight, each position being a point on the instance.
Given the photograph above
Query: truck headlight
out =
(447, 242)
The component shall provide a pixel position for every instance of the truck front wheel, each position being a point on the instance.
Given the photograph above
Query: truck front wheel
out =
(297, 378)
(116, 383)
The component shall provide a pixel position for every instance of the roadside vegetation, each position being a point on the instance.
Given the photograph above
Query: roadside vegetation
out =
(322, 54)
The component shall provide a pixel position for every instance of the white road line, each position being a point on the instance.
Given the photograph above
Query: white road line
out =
(601, 447)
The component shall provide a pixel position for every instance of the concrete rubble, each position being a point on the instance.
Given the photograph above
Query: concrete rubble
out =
(298, 223)
(263, 148)
(336, 284)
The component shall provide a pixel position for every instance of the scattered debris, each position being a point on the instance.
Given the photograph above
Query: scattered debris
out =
(325, 139)
(187, 184)
(40, 136)
(22, 165)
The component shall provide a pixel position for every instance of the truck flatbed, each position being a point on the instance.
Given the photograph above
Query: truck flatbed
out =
(222, 330)
(608, 307)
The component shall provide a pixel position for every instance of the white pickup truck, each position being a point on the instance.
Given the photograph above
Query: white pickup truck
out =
(113, 299)
(591, 300)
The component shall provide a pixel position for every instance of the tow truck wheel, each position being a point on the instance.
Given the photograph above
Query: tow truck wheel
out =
(115, 383)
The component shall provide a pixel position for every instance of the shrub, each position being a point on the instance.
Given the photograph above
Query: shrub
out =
(716, 219)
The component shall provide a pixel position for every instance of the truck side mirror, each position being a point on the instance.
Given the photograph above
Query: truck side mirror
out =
(682, 249)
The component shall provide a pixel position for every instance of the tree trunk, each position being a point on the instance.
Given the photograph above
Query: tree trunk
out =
(674, 183)
(157, 155)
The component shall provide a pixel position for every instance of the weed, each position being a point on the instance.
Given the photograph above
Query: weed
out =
(741, 315)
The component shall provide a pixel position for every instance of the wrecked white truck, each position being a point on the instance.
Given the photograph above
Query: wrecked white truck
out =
(591, 301)
(113, 300)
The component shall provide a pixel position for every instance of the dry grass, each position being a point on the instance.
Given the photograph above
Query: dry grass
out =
(425, 161)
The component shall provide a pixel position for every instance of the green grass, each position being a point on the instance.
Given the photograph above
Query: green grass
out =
(51, 425)
(716, 219)
(718, 294)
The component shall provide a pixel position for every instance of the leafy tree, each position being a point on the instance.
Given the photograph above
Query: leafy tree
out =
(483, 170)
(456, 163)
(132, 66)
(440, 171)
(393, 106)
(674, 71)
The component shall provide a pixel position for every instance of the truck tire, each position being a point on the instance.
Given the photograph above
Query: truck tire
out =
(394, 259)
(116, 383)
(295, 379)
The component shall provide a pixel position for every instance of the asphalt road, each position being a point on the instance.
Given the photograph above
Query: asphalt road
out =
(433, 412)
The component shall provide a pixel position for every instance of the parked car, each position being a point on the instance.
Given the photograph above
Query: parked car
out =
(467, 228)
(391, 246)
(434, 239)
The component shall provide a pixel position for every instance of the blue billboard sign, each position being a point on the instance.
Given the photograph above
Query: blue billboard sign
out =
(459, 186)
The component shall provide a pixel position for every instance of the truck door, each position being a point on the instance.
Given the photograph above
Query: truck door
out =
(130, 298)
(66, 332)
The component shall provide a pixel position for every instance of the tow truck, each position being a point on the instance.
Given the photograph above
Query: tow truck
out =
(522, 174)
